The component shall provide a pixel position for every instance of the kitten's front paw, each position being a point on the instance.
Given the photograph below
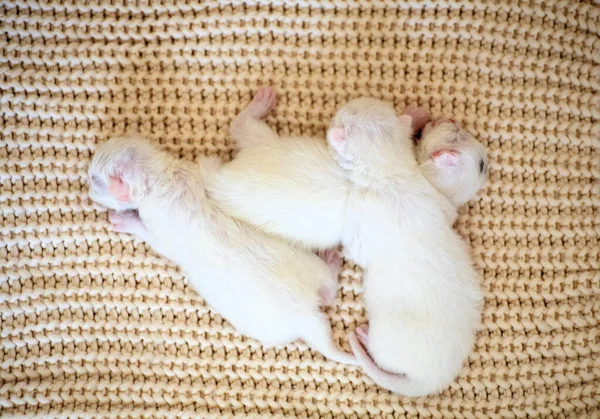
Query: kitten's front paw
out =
(264, 100)
(125, 221)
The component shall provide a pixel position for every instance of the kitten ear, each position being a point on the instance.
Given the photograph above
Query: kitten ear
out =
(119, 189)
(446, 157)
(336, 135)
(337, 139)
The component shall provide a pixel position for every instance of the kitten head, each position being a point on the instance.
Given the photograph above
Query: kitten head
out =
(364, 135)
(123, 171)
(452, 160)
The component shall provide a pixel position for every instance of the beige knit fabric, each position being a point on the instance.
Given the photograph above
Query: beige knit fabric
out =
(93, 323)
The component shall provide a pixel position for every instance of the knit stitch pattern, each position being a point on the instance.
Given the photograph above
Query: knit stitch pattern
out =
(94, 323)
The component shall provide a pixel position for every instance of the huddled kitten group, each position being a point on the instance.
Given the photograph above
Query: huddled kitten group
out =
(257, 236)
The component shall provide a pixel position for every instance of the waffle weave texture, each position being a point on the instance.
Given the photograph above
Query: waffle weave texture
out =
(93, 323)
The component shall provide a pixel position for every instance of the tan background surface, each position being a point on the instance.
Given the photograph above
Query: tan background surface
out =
(94, 323)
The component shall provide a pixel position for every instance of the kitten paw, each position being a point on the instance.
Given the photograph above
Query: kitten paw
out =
(124, 221)
(327, 295)
(362, 332)
(332, 258)
(264, 100)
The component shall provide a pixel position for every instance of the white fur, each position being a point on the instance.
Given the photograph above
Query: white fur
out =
(293, 187)
(420, 290)
(265, 287)
(290, 187)
(459, 171)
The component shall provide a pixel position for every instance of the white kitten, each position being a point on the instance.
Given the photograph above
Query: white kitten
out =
(264, 286)
(421, 292)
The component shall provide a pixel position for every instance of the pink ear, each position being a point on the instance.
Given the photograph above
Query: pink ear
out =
(118, 189)
(336, 135)
(445, 157)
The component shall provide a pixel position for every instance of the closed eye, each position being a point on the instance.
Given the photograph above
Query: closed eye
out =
(481, 166)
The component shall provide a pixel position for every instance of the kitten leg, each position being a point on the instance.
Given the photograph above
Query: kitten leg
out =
(131, 223)
(327, 292)
(247, 128)
(332, 258)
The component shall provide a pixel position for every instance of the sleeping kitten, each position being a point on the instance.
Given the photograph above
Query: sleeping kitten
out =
(265, 287)
(421, 292)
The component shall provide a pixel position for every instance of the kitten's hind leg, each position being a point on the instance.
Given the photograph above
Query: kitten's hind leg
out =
(328, 290)
(248, 128)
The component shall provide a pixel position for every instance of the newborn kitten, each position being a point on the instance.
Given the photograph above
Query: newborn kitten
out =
(292, 188)
(421, 292)
(265, 287)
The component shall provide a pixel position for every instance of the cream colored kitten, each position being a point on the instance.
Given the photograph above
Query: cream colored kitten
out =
(265, 287)
(421, 292)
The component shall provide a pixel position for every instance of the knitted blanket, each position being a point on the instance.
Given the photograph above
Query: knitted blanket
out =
(94, 323)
